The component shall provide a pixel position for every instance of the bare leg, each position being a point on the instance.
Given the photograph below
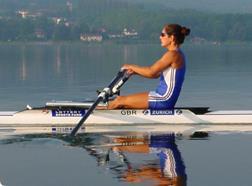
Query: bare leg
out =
(134, 101)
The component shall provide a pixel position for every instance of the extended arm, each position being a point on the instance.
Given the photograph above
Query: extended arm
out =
(154, 70)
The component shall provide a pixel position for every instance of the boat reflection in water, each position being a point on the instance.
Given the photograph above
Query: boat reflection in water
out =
(148, 158)
(152, 159)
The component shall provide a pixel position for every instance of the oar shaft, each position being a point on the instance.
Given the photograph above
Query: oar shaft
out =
(102, 96)
(84, 118)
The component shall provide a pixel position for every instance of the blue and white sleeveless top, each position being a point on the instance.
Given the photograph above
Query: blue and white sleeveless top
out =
(168, 90)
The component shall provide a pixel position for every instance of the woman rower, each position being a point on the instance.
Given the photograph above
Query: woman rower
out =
(170, 68)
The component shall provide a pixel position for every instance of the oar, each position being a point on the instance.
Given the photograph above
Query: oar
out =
(112, 88)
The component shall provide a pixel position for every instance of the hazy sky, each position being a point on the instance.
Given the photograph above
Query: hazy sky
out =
(225, 6)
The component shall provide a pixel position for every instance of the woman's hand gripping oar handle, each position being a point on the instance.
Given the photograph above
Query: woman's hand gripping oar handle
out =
(112, 88)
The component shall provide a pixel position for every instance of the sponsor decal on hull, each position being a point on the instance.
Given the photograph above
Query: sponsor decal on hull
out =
(68, 113)
(158, 112)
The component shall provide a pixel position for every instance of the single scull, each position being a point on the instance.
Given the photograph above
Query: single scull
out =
(61, 117)
(71, 117)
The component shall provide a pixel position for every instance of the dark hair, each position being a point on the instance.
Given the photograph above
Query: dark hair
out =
(178, 31)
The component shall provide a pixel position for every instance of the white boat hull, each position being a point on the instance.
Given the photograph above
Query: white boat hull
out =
(119, 117)
(58, 120)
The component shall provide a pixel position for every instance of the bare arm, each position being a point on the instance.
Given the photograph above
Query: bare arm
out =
(154, 71)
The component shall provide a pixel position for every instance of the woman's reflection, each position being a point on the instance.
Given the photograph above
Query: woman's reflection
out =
(167, 168)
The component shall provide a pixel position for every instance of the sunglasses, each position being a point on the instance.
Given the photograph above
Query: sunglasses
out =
(162, 34)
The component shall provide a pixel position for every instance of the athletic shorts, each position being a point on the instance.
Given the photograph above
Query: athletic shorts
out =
(157, 101)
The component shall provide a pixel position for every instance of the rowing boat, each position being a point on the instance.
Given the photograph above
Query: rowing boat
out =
(62, 116)
(71, 117)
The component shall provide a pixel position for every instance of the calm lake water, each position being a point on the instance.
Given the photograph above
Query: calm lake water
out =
(218, 76)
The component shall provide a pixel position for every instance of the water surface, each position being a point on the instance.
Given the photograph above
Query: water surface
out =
(217, 76)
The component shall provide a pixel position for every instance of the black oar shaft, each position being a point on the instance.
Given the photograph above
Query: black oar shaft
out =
(86, 115)
(102, 96)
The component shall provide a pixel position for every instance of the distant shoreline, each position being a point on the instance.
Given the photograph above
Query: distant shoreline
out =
(130, 42)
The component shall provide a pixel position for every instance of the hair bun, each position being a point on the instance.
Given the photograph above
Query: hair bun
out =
(185, 31)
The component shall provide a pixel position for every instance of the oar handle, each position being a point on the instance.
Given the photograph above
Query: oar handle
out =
(115, 85)
(116, 88)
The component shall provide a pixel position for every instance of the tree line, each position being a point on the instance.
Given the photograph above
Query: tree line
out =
(111, 16)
